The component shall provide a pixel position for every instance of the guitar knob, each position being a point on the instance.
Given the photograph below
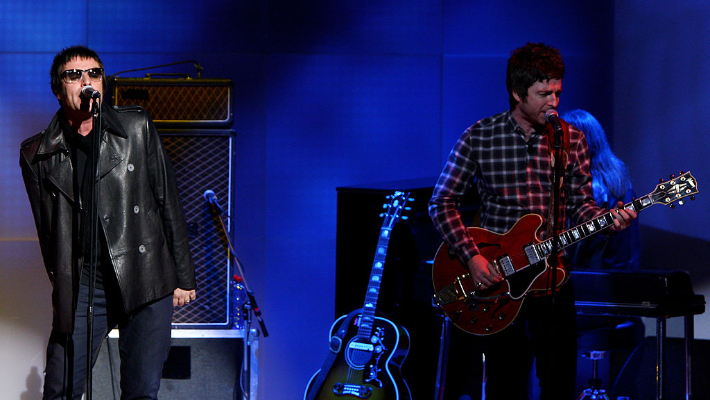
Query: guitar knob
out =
(501, 316)
(474, 321)
(489, 329)
(486, 309)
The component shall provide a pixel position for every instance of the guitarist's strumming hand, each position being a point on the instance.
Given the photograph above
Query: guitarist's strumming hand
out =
(623, 217)
(483, 273)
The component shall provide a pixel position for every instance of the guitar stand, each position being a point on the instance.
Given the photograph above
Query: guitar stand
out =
(595, 392)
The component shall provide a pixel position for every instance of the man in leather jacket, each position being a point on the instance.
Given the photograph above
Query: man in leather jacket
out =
(142, 266)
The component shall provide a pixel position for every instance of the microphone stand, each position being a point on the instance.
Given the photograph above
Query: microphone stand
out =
(93, 235)
(553, 230)
(250, 305)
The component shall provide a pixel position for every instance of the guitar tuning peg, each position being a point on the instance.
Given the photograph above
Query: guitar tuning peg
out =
(408, 208)
(660, 180)
(681, 202)
(404, 218)
(692, 198)
(672, 176)
(672, 206)
(681, 172)
(382, 215)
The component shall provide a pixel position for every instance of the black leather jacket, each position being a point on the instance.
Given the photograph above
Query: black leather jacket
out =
(139, 211)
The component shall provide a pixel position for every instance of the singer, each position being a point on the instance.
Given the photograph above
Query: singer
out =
(505, 158)
(144, 267)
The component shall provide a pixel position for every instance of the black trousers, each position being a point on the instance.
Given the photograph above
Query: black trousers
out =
(144, 344)
(510, 355)
(545, 333)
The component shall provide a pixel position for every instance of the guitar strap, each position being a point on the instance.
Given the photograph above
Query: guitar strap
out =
(335, 346)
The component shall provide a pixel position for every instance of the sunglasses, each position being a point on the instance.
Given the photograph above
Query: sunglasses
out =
(74, 75)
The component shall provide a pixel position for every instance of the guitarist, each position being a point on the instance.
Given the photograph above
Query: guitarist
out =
(507, 158)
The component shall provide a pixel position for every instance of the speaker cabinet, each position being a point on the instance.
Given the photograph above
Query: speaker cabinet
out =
(202, 160)
(197, 368)
(175, 103)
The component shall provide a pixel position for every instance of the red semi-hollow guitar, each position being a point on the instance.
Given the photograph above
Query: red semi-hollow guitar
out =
(521, 259)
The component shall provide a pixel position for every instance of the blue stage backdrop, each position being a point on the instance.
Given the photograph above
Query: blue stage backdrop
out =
(340, 93)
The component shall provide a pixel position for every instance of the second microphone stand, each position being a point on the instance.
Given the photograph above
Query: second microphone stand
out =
(250, 307)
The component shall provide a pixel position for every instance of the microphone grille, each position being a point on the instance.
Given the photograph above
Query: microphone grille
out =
(551, 113)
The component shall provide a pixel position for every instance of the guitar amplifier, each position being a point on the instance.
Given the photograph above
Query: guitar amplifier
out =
(178, 102)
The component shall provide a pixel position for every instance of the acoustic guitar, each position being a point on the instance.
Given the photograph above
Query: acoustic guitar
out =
(366, 351)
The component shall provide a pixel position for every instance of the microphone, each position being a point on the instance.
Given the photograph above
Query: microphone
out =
(553, 118)
(211, 199)
(90, 93)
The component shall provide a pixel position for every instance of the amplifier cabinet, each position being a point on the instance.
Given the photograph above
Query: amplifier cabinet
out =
(178, 103)
(202, 160)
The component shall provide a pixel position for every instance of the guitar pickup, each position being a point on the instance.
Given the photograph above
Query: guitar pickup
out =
(505, 265)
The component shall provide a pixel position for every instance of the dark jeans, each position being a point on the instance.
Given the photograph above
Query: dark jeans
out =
(538, 335)
(143, 344)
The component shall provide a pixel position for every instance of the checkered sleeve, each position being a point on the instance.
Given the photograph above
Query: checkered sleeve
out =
(581, 206)
(454, 181)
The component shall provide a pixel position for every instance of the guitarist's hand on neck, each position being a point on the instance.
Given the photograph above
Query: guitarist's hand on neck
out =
(483, 273)
(622, 217)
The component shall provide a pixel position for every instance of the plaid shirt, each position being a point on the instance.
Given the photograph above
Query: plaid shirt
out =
(513, 178)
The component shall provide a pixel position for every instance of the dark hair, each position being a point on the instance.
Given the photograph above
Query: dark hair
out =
(67, 55)
(529, 64)
(609, 174)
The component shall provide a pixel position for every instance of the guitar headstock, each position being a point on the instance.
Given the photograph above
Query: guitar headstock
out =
(675, 189)
(395, 208)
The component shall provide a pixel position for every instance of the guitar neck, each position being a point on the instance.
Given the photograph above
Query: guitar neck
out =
(589, 228)
(373, 287)
(393, 215)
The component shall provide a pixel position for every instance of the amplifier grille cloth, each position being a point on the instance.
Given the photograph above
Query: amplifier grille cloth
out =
(202, 162)
(174, 103)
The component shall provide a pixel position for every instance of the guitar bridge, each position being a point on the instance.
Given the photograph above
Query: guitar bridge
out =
(452, 293)
(349, 389)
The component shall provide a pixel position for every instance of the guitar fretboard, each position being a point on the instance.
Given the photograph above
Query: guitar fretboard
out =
(567, 238)
(394, 212)
(665, 193)
(373, 287)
